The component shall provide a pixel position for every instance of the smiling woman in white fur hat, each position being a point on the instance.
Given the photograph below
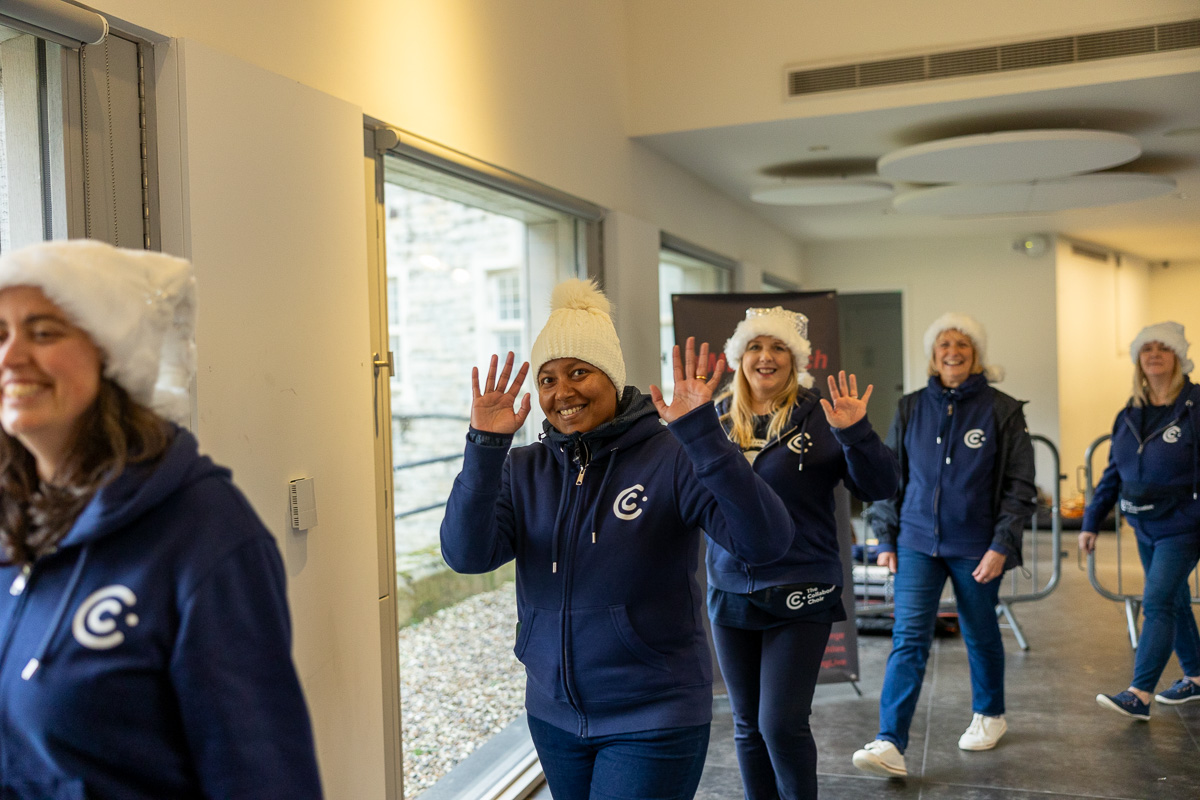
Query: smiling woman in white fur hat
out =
(1154, 472)
(966, 491)
(146, 642)
(603, 517)
(771, 624)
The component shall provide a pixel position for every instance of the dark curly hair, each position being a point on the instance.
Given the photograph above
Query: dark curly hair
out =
(114, 431)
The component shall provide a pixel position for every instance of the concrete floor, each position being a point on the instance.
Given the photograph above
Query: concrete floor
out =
(1060, 743)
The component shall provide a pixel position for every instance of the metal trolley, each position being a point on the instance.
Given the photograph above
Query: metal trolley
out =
(1037, 579)
(1132, 602)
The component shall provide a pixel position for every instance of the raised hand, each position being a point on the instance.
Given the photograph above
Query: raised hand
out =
(847, 407)
(492, 409)
(693, 385)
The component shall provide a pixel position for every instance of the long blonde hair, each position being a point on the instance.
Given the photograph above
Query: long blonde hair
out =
(1141, 386)
(740, 416)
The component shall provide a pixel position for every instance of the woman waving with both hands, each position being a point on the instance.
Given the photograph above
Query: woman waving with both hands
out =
(771, 623)
(603, 517)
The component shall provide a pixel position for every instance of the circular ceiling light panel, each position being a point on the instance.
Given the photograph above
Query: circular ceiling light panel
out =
(1009, 156)
(1061, 194)
(822, 192)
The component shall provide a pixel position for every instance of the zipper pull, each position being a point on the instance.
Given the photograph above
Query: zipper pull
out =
(21, 581)
(593, 537)
(579, 480)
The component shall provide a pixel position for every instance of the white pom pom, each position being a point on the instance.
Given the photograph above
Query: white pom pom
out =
(579, 294)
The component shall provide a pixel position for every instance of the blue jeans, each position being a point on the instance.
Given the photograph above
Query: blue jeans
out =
(771, 675)
(1167, 606)
(918, 587)
(660, 764)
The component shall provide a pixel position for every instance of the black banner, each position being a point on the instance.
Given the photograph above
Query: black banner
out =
(711, 318)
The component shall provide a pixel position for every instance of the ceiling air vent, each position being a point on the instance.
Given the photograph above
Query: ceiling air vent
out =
(1002, 58)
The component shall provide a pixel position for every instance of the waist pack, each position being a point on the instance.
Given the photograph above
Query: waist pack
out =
(1151, 501)
(796, 599)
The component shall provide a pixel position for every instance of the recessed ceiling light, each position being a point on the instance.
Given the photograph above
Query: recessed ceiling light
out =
(1009, 156)
(822, 192)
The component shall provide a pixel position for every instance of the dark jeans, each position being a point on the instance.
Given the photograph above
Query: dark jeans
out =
(771, 675)
(645, 765)
(918, 587)
(1167, 606)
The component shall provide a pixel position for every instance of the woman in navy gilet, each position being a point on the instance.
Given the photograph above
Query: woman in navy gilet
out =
(966, 493)
(1154, 471)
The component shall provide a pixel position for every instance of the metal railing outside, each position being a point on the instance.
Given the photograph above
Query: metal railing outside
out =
(1132, 602)
(1024, 585)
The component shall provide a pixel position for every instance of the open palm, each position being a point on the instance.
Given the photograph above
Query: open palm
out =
(494, 410)
(693, 385)
(846, 407)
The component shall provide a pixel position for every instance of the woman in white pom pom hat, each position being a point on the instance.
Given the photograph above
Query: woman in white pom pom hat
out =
(966, 492)
(771, 623)
(144, 637)
(603, 517)
(1154, 472)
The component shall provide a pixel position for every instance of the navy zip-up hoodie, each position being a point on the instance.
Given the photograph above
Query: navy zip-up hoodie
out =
(803, 466)
(1156, 477)
(966, 473)
(149, 656)
(605, 529)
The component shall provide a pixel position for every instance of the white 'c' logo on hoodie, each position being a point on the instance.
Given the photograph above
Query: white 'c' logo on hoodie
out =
(1171, 435)
(625, 506)
(95, 623)
(974, 438)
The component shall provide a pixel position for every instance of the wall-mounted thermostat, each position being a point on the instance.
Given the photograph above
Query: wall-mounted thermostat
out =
(303, 503)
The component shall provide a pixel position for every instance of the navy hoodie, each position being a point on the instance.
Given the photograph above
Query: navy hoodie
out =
(605, 528)
(149, 656)
(1155, 476)
(803, 466)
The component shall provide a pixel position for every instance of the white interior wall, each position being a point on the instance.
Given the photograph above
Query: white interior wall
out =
(1011, 294)
(1175, 295)
(284, 375)
(1101, 307)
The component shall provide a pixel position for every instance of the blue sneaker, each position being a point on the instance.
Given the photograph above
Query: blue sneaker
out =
(1182, 691)
(1126, 703)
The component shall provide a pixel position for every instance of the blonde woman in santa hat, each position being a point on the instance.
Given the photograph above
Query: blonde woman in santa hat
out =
(771, 623)
(144, 633)
(1154, 472)
(603, 517)
(966, 493)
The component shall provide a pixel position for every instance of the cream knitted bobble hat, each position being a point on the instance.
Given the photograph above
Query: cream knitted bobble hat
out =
(1170, 334)
(137, 306)
(969, 327)
(580, 326)
(789, 327)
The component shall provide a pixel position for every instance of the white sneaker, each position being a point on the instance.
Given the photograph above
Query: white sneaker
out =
(983, 733)
(881, 757)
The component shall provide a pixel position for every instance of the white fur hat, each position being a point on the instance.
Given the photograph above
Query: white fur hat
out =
(969, 327)
(1170, 334)
(137, 306)
(789, 327)
(580, 327)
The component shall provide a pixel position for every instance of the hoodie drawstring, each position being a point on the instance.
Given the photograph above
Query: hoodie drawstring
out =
(39, 655)
(800, 438)
(612, 459)
(562, 504)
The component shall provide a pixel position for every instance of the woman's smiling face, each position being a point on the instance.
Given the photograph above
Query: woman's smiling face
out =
(575, 396)
(767, 365)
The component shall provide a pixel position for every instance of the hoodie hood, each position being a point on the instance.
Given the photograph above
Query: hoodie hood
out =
(141, 488)
(631, 408)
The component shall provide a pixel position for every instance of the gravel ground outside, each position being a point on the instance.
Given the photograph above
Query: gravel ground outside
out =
(459, 684)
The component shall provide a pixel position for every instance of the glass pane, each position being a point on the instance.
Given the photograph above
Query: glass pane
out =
(469, 274)
(680, 274)
(30, 165)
